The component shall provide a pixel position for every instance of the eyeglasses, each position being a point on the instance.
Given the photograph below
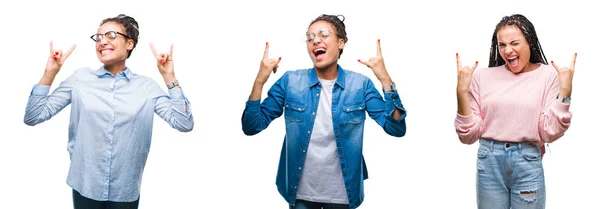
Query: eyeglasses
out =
(323, 34)
(111, 35)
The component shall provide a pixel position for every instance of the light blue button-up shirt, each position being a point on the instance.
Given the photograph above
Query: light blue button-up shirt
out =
(296, 96)
(110, 128)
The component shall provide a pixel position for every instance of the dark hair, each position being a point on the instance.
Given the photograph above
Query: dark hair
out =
(338, 24)
(132, 29)
(526, 27)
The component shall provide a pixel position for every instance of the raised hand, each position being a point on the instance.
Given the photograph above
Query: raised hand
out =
(57, 58)
(164, 61)
(565, 77)
(376, 64)
(267, 66)
(465, 75)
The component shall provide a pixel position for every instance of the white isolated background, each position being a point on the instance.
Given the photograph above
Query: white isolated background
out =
(218, 48)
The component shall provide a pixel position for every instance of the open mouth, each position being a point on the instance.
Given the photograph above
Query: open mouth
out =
(513, 62)
(319, 53)
(106, 51)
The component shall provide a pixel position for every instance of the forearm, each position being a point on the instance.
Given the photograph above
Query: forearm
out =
(48, 78)
(464, 108)
(256, 91)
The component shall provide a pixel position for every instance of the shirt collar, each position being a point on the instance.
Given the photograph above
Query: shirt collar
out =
(314, 80)
(126, 73)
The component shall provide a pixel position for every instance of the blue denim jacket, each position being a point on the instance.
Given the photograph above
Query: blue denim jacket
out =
(297, 94)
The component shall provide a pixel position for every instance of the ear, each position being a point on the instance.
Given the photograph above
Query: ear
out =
(129, 44)
(341, 44)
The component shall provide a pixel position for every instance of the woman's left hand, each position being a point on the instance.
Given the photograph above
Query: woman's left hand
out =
(164, 61)
(376, 64)
(565, 77)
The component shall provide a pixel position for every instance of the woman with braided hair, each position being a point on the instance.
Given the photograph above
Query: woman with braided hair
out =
(112, 110)
(321, 164)
(513, 108)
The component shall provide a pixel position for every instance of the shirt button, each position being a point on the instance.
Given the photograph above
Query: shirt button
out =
(317, 94)
(299, 109)
(308, 132)
(299, 168)
(347, 109)
(295, 187)
(303, 150)
(313, 113)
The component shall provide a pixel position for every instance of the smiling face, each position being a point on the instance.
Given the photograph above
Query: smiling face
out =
(323, 45)
(514, 48)
(113, 49)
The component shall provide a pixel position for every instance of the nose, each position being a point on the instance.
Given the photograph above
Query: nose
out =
(508, 50)
(103, 41)
(317, 40)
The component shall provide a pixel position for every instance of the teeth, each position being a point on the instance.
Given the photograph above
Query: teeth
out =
(319, 50)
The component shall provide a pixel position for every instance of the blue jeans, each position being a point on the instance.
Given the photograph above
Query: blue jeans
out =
(510, 175)
(81, 202)
(303, 204)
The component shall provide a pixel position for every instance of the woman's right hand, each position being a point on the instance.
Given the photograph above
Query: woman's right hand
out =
(267, 66)
(465, 75)
(57, 59)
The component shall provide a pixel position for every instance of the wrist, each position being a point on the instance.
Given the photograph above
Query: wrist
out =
(565, 92)
(169, 77)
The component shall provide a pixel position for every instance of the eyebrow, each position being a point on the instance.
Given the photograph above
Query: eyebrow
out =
(502, 42)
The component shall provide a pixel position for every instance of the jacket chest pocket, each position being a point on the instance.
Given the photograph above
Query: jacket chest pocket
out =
(294, 111)
(354, 113)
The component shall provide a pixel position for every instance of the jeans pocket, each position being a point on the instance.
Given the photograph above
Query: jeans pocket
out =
(294, 111)
(482, 154)
(531, 153)
(354, 112)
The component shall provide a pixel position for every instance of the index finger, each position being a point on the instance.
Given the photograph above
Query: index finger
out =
(458, 64)
(378, 47)
(573, 62)
(266, 55)
(70, 51)
(153, 50)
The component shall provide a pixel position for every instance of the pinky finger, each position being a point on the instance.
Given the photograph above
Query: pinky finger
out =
(554, 65)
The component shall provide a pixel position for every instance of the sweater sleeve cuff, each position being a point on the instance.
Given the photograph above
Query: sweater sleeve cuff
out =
(461, 119)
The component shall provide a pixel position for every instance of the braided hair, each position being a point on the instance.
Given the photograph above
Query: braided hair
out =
(526, 27)
(338, 24)
(131, 28)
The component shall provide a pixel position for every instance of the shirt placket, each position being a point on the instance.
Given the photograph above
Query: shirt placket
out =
(111, 135)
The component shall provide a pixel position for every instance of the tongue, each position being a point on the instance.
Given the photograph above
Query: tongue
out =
(514, 63)
(320, 56)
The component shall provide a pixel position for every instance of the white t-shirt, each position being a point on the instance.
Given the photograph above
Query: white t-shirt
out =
(322, 179)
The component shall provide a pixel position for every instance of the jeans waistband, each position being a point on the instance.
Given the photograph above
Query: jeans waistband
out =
(498, 145)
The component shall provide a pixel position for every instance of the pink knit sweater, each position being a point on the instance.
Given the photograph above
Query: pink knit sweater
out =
(510, 107)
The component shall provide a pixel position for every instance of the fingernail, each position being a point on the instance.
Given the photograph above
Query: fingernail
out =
(279, 58)
(55, 53)
(552, 62)
(378, 40)
(476, 62)
(575, 53)
(358, 60)
(457, 54)
(267, 43)
(162, 55)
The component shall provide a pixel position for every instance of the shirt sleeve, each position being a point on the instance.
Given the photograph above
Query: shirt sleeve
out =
(41, 106)
(555, 118)
(257, 116)
(469, 127)
(382, 110)
(174, 108)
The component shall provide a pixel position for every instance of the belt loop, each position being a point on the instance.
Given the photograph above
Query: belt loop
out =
(492, 144)
(520, 147)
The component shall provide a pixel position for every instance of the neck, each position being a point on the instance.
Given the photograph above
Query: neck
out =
(115, 67)
(328, 73)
